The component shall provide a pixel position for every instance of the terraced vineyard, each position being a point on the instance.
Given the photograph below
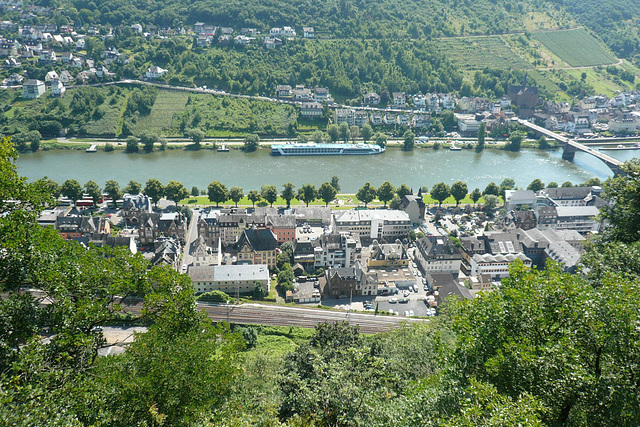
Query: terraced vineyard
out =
(576, 47)
(476, 53)
(161, 120)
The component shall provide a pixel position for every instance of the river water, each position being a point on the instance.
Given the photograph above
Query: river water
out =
(250, 171)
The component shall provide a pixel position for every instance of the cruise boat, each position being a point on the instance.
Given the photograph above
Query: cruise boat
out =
(313, 149)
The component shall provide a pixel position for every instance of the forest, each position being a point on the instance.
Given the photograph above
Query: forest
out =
(546, 348)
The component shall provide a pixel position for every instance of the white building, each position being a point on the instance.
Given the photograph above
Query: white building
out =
(374, 224)
(155, 72)
(33, 89)
(230, 279)
(579, 218)
(437, 254)
(308, 32)
(57, 89)
(497, 266)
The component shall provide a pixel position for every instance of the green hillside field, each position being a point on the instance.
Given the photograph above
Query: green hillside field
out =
(576, 47)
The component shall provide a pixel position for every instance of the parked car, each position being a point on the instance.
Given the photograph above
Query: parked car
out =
(404, 301)
(393, 300)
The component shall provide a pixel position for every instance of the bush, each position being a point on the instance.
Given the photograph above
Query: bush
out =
(108, 147)
(213, 296)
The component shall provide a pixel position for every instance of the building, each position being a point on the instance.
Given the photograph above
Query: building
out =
(57, 89)
(335, 250)
(283, 226)
(283, 91)
(349, 281)
(399, 99)
(230, 279)
(414, 207)
(571, 196)
(257, 246)
(311, 109)
(437, 254)
(345, 115)
(369, 224)
(371, 98)
(388, 254)
(582, 219)
(32, 89)
(445, 287)
(497, 266)
(515, 199)
(468, 124)
(155, 72)
(308, 32)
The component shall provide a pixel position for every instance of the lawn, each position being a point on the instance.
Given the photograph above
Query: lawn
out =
(576, 47)
(601, 81)
(477, 53)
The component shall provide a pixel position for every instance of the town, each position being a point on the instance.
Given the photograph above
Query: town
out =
(406, 261)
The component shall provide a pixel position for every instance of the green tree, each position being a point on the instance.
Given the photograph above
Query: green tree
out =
(327, 193)
(307, 193)
(72, 190)
(403, 190)
(492, 189)
(176, 191)
(552, 184)
(623, 214)
(251, 142)
(196, 135)
(269, 193)
(285, 280)
(334, 132)
(93, 190)
(506, 184)
(317, 137)
(366, 194)
(515, 140)
(366, 132)
(567, 184)
(112, 189)
(217, 192)
(133, 187)
(481, 137)
(440, 192)
(345, 133)
(335, 183)
(108, 147)
(380, 139)
(491, 201)
(147, 140)
(132, 144)
(354, 133)
(236, 194)
(254, 197)
(385, 192)
(50, 186)
(459, 191)
(195, 191)
(409, 140)
(395, 202)
(475, 196)
(287, 193)
(154, 190)
(543, 144)
(536, 185)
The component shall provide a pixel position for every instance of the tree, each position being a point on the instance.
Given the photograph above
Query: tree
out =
(515, 140)
(269, 193)
(366, 194)
(409, 140)
(286, 255)
(148, 140)
(133, 187)
(236, 194)
(440, 192)
(552, 184)
(567, 184)
(217, 192)
(335, 183)
(317, 137)
(112, 189)
(481, 136)
(308, 193)
(285, 280)
(93, 190)
(288, 193)
(175, 191)
(354, 132)
(196, 135)
(385, 192)
(334, 132)
(506, 184)
(542, 143)
(536, 185)
(254, 197)
(72, 190)
(259, 292)
(475, 196)
(491, 188)
(50, 186)
(591, 182)
(624, 214)
(491, 201)
(345, 133)
(251, 142)
(154, 190)
(327, 193)
(195, 191)
(395, 202)
(403, 190)
(366, 132)
(380, 139)
(459, 191)
(132, 144)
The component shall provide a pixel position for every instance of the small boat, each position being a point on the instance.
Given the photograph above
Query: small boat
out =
(92, 149)
(620, 146)
(223, 149)
(454, 147)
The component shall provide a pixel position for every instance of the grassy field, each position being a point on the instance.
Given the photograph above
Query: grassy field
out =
(162, 119)
(476, 53)
(576, 47)
(601, 81)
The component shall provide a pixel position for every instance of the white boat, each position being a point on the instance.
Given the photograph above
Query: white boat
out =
(223, 149)
(454, 147)
(92, 149)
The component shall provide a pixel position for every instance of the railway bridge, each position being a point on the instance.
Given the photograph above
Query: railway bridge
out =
(570, 147)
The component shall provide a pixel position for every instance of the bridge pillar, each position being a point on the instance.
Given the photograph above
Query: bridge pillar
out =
(569, 152)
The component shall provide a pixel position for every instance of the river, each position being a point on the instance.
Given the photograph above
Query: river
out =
(250, 171)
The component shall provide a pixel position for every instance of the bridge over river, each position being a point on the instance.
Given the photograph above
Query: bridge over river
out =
(570, 147)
